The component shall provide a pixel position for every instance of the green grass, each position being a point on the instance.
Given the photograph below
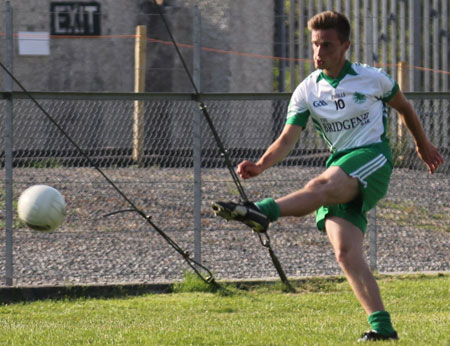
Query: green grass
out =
(323, 312)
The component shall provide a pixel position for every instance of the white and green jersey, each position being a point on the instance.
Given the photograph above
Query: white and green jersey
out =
(349, 111)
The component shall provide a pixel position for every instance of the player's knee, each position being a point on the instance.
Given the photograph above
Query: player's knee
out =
(317, 184)
(334, 191)
(343, 254)
(324, 187)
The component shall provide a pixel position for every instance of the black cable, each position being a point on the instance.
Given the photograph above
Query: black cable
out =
(276, 262)
(202, 107)
(191, 262)
(224, 152)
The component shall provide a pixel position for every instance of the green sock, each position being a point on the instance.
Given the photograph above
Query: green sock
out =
(380, 321)
(269, 208)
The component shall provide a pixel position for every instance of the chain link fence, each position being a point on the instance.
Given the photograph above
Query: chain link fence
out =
(156, 168)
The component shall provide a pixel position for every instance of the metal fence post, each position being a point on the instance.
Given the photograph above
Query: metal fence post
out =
(301, 39)
(445, 77)
(373, 239)
(415, 52)
(375, 32)
(8, 151)
(281, 47)
(437, 125)
(356, 31)
(368, 36)
(197, 143)
(369, 19)
(444, 46)
(293, 75)
(393, 22)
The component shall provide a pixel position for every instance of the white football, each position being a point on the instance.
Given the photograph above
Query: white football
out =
(41, 208)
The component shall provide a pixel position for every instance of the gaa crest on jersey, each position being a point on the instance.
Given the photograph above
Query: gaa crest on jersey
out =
(319, 103)
(359, 98)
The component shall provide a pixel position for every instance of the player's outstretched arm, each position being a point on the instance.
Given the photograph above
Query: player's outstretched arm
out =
(425, 149)
(276, 152)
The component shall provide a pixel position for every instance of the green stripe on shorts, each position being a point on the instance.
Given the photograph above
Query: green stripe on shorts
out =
(372, 166)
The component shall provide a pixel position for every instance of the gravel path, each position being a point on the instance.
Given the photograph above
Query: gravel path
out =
(412, 225)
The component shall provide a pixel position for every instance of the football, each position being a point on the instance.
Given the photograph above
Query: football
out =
(41, 208)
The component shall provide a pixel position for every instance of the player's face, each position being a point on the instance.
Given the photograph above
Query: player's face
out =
(329, 51)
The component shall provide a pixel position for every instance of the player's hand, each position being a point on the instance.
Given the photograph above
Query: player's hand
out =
(247, 169)
(430, 155)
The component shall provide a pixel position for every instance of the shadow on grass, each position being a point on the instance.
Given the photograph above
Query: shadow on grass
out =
(191, 283)
(20, 294)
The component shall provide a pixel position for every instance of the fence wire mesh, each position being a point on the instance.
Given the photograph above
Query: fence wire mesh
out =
(412, 221)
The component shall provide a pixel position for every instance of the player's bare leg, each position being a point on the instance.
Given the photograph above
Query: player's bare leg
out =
(333, 186)
(347, 242)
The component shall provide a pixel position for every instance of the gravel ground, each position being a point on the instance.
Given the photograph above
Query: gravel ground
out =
(412, 227)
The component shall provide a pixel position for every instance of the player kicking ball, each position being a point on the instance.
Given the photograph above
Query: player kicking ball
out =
(347, 104)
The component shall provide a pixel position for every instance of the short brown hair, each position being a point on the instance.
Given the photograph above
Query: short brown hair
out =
(331, 20)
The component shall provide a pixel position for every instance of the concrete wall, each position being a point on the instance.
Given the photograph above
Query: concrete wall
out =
(107, 63)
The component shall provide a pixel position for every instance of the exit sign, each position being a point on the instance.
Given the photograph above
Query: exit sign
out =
(75, 18)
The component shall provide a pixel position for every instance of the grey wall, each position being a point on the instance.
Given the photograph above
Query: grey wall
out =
(107, 63)
(77, 64)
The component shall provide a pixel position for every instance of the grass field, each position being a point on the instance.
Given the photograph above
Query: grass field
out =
(323, 312)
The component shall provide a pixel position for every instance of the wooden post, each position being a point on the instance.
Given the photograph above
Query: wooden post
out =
(403, 83)
(140, 50)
